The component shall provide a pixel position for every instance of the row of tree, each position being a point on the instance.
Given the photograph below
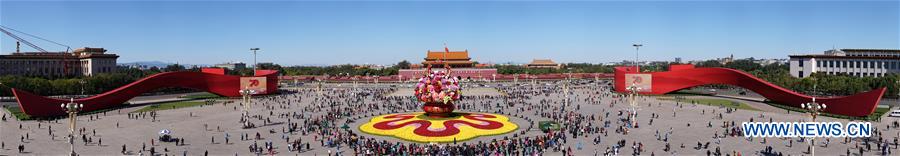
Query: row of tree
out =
(570, 67)
(825, 85)
(86, 85)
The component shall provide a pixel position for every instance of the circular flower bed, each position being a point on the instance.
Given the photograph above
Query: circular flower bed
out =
(421, 128)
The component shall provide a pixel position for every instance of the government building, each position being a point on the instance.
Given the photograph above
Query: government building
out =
(232, 65)
(543, 63)
(459, 61)
(853, 62)
(82, 62)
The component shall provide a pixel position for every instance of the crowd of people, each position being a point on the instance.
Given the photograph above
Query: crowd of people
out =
(312, 120)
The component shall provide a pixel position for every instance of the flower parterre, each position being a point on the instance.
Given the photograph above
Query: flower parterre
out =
(420, 128)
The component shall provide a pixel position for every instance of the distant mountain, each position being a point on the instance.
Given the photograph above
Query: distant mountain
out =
(158, 64)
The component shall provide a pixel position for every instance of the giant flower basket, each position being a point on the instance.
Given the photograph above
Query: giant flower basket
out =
(438, 90)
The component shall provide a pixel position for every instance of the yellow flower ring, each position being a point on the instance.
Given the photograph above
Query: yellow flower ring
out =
(420, 128)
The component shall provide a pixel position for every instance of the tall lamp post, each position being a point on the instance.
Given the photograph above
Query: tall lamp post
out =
(246, 95)
(254, 60)
(637, 47)
(354, 81)
(322, 82)
(82, 82)
(566, 87)
(633, 90)
(72, 109)
(814, 109)
(494, 77)
(516, 79)
(319, 86)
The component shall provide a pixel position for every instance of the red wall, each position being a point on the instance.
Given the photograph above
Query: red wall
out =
(224, 85)
(219, 71)
(860, 104)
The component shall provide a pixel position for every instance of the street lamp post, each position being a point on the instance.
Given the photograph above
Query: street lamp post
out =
(566, 88)
(516, 79)
(814, 109)
(319, 87)
(633, 90)
(254, 60)
(494, 77)
(72, 109)
(534, 83)
(82, 82)
(354, 81)
(322, 83)
(246, 95)
(637, 47)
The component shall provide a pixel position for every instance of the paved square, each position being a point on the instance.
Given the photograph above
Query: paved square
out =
(591, 124)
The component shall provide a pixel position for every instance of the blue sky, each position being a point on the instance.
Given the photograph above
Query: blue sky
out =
(311, 32)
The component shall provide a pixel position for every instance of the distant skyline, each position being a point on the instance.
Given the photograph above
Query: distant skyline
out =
(316, 32)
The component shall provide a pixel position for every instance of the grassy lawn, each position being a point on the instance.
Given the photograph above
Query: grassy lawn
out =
(875, 116)
(548, 125)
(204, 95)
(711, 102)
(171, 105)
(16, 112)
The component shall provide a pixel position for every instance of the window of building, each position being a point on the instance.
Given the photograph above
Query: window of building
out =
(800, 73)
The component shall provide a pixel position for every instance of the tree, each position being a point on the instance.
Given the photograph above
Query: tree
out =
(403, 64)
(743, 64)
(709, 63)
(173, 67)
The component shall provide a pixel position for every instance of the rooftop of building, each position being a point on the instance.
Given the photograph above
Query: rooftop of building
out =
(452, 55)
(542, 62)
(842, 57)
(89, 49)
(870, 50)
(80, 53)
(842, 53)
